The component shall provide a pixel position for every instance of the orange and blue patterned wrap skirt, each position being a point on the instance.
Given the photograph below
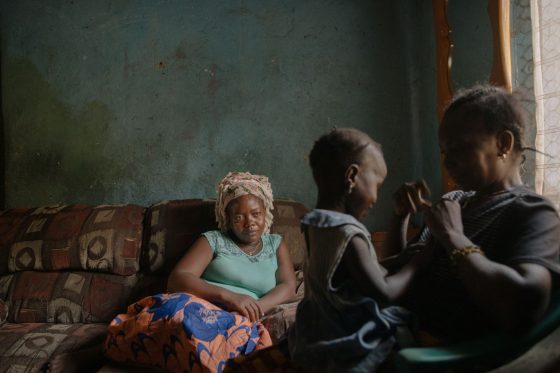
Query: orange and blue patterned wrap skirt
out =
(180, 332)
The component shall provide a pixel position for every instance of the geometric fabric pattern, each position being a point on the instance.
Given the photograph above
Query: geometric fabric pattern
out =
(67, 270)
(68, 297)
(174, 226)
(77, 237)
(287, 216)
(28, 347)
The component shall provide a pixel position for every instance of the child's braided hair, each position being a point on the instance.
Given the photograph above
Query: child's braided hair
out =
(335, 151)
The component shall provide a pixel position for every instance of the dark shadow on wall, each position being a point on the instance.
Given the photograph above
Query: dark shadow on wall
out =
(2, 146)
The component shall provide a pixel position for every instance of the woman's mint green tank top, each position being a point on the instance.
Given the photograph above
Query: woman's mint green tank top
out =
(234, 270)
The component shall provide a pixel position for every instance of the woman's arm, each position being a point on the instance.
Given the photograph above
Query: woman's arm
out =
(285, 281)
(512, 296)
(186, 277)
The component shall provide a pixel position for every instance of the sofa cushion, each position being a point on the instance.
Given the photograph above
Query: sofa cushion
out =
(104, 238)
(175, 225)
(67, 297)
(5, 285)
(279, 319)
(3, 312)
(29, 347)
(287, 217)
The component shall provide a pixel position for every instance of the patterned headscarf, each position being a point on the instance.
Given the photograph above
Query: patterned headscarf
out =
(237, 184)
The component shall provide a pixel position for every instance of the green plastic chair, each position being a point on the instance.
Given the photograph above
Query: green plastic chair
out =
(481, 354)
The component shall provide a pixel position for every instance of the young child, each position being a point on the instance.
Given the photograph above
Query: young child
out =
(345, 323)
(496, 243)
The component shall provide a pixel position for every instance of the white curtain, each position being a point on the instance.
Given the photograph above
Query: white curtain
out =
(545, 16)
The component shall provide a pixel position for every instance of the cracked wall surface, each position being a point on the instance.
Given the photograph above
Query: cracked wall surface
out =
(108, 102)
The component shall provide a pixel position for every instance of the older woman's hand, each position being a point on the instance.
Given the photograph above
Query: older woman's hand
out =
(445, 221)
(245, 305)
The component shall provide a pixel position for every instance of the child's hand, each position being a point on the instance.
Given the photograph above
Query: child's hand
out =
(422, 254)
(411, 197)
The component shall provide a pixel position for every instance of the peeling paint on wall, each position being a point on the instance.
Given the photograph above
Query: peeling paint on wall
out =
(141, 101)
(55, 154)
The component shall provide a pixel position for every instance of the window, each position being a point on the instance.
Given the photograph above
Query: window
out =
(545, 16)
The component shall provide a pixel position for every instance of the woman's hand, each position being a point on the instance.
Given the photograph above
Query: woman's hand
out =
(445, 221)
(243, 304)
(410, 198)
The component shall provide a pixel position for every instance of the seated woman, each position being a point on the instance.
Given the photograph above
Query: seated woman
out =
(495, 243)
(218, 291)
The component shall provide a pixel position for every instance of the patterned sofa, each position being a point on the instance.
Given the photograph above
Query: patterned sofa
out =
(65, 271)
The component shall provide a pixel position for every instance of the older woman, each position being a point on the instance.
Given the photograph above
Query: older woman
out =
(495, 243)
(219, 290)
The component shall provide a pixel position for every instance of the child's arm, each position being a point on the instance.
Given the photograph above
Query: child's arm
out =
(407, 200)
(395, 240)
(368, 276)
(395, 262)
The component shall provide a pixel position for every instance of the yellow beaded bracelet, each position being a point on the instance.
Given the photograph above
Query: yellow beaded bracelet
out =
(457, 254)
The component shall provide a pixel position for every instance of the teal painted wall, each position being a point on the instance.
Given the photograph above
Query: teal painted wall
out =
(472, 39)
(139, 101)
(472, 59)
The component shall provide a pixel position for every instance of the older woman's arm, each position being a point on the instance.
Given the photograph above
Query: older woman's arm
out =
(285, 281)
(515, 295)
(186, 273)
(186, 277)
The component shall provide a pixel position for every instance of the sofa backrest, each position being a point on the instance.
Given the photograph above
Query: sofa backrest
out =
(105, 238)
(175, 225)
(75, 263)
(171, 227)
(81, 263)
(287, 217)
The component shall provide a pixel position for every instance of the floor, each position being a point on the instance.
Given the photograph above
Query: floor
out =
(542, 358)
(114, 368)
